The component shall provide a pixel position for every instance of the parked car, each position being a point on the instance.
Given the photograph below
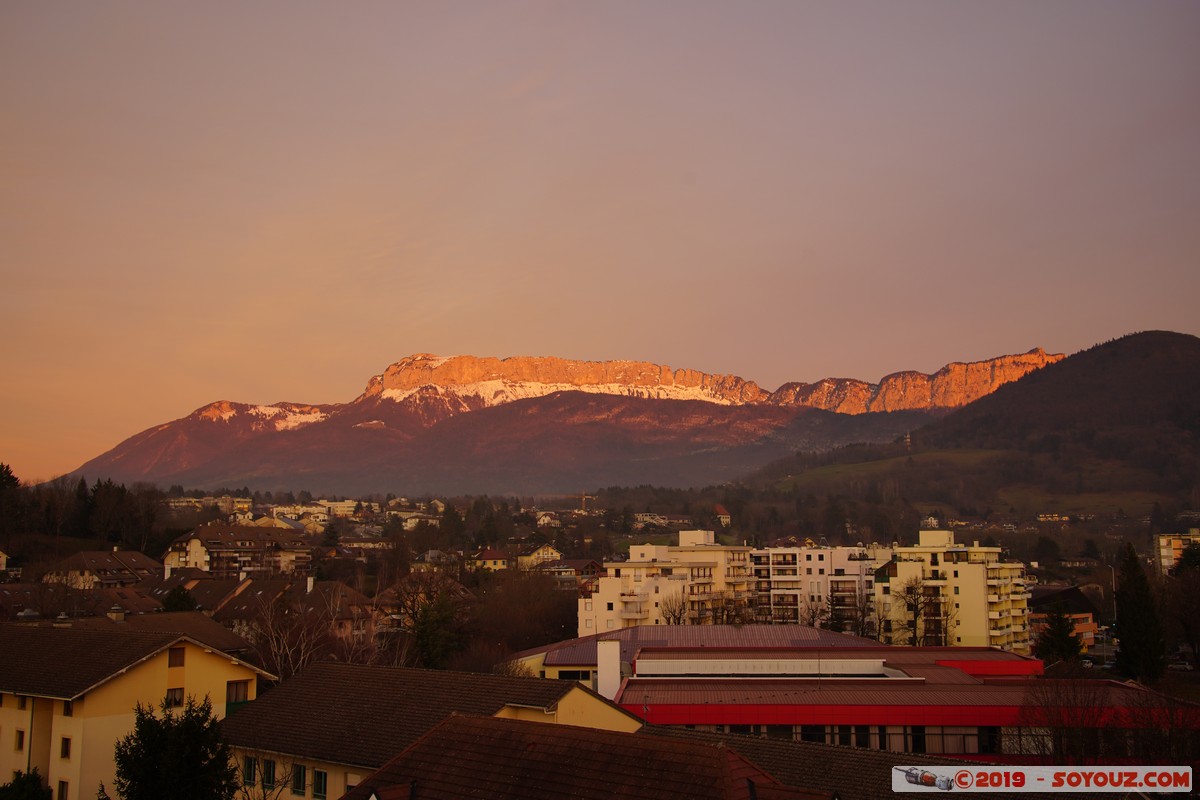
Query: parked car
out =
(1181, 666)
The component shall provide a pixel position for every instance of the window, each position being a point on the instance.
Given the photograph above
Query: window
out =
(956, 590)
(268, 774)
(68, 708)
(21, 700)
(299, 779)
(610, 607)
(812, 733)
(249, 771)
(237, 691)
(175, 657)
(20, 743)
(862, 736)
(62, 790)
(64, 748)
(320, 784)
(174, 698)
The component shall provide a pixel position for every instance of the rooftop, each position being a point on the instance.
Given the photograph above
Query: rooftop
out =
(363, 715)
(473, 757)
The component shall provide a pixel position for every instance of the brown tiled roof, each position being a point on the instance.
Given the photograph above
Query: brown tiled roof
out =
(65, 662)
(192, 624)
(478, 757)
(131, 563)
(359, 715)
(853, 773)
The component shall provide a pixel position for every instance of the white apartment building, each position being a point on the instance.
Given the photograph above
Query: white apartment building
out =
(939, 592)
(818, 585)
(696, 582)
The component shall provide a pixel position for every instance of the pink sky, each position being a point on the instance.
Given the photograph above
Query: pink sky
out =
(275, 200)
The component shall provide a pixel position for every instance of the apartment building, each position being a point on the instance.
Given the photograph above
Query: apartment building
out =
(696, 582)
(818, 585)
(234, 551)
(943, 593)
(1169, 548)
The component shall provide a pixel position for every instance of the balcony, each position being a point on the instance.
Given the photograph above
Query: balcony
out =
(633, 613)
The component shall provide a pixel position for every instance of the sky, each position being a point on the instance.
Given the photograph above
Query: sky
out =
(269, 201)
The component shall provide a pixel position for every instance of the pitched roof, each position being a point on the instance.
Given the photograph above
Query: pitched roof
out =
(191, 624)
(66, 662)
(473, 757)
(350, 714)
(107, 562)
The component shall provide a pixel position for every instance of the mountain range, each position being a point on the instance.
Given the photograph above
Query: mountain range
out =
(527, 425)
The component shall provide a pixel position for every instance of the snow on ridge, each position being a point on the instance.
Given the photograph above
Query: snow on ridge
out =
(288, 419)
(498, 391)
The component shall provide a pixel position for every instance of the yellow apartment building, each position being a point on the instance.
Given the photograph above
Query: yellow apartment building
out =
(957, 594)
(67, 696)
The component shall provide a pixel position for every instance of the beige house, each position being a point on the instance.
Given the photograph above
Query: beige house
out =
(940, 592)
(67, 696)
(696, 582)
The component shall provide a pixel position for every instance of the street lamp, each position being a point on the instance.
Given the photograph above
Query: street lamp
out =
(1114, 590)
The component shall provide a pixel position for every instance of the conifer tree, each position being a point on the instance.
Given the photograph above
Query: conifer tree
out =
(1143, 653)
(1058, 640)
(177, 753)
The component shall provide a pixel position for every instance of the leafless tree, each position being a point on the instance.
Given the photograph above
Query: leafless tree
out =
(673, 606)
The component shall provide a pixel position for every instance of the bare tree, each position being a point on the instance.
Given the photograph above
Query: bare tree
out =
(673, 606)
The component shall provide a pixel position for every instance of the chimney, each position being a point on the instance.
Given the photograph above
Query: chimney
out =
(310, 584)
(166, 571)
(608, 667)
(116, 613)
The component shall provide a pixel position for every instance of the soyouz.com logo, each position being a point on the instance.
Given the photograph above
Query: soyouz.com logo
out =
(1041, 779)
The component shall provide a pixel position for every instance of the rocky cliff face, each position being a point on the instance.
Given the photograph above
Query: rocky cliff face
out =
(487, 382)
(493, 381)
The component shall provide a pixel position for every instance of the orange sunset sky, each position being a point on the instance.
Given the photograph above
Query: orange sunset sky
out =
(265, 201)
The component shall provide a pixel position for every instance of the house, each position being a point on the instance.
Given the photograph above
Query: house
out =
(722, 515)
(435, 561)
(491, 560)
(332, 724)
(233, 551)
(532, 557)
(506, 759)
(68, 695)
(103, 568)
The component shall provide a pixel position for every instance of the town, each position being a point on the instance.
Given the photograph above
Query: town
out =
(349, 647)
